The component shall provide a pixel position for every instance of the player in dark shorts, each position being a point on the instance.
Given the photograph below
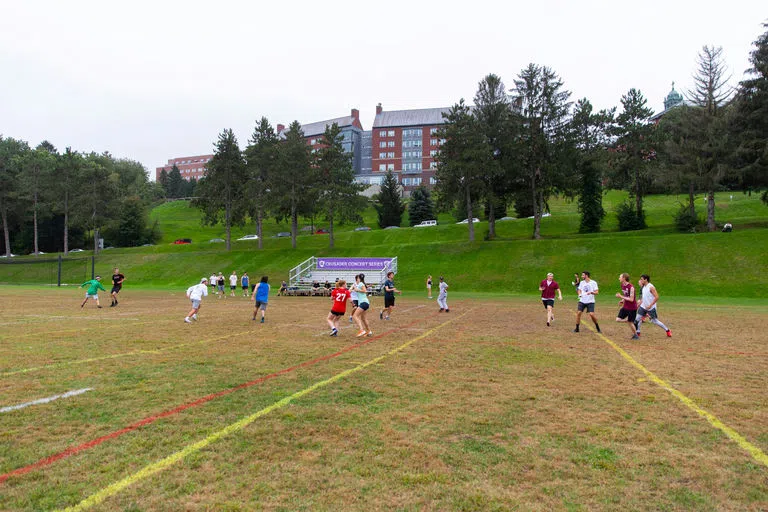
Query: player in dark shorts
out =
(628, 304)
(389, 296)
(547, 288)
(117, 284)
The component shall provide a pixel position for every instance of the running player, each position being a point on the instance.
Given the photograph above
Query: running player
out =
(648, 305)
(94, 285)
(389, 296)
(587, 290)
(442, 296)
(361, 312)
(547, 288)
(244, 283)
(353, 297)
(628, 304)
(260, 298)
(339, 297)
(117, 284)
(195, 294)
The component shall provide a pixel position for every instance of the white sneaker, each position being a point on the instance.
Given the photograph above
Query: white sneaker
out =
(186, 319)
(194, 317)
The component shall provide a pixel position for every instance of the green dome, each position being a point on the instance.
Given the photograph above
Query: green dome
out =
(673, 99)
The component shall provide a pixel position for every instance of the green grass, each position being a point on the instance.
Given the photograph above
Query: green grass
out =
(683, 265)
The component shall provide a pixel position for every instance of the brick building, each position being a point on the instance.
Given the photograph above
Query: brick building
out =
(189, 166)
(406, 143)
(351, 130)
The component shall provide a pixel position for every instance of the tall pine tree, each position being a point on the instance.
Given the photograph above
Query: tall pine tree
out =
(389, 206)
(420, 207)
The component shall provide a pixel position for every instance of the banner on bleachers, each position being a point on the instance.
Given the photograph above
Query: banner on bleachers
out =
(371, 264)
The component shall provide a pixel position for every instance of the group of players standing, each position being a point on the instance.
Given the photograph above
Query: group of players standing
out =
(630, 312)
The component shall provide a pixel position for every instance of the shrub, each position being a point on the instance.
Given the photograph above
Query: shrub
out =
(685, 221)
(629, 220)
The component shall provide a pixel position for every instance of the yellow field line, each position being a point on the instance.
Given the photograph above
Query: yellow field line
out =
(123, 354)
(753, 450)
(162, 464)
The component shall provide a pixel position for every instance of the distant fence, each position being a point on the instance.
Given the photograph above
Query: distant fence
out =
(57, 271)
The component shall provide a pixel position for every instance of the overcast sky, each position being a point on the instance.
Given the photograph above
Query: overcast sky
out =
(154, 80)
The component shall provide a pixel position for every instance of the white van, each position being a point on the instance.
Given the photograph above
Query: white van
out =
(426, 223)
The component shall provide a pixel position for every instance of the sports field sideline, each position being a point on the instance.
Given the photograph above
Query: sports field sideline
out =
(482, 408)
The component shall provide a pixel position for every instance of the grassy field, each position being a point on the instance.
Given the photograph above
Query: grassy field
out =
(484, 408)
(682, 265)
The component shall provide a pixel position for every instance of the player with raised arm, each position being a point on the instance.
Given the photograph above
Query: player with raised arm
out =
(195, 294)
(647, 307)
(628, 304)
(94, 285)
(587, 290)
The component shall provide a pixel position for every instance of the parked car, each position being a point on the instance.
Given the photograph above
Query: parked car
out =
(148, 245)
(466, 221)
(216, 240)
(76, 250)
(248, 237)
(363, 228)
(506, 218)
(547, 214)
(284, 234)
(5, 256)
(392, 227)
(321, 231)
(38, 252)
(182, 241)
(426, 223)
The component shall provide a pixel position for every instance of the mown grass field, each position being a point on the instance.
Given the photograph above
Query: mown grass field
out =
(683, 265)
(483, 408)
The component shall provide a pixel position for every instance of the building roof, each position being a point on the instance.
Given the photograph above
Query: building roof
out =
(318, 128)
(416, 117)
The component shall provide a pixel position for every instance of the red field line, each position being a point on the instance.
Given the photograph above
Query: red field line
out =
(47, 461)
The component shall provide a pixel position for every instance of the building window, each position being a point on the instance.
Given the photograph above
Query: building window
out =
(382, 144)
(433, 165)
(433, 131)
(391, 154)
(391, 144)
(390, 167)
(433, 142)
(391, 133)
(411, 182)
(433, 153)
(382, 155)
(313, 141)
(382, 133)
(432, 180)
(382, 167)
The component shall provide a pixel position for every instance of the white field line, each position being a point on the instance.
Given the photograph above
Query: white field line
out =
(45, 400)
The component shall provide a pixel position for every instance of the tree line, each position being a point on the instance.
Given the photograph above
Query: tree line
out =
(52, 201)
(522, 146)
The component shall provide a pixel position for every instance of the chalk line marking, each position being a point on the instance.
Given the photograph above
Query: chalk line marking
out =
(45, 400)
(72, 450)
(162, 464)
(740, 440)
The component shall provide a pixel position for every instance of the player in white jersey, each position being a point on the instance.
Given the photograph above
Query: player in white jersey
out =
(647, 309)
(195, 294)
(587, 289)
(442, 296)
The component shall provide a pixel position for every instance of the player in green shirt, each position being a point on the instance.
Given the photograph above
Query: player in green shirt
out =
(94, 285)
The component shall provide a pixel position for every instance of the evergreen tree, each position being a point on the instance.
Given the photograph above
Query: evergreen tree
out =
(339, 194)
(542, 108)
(292, 185)
(589, 132)
(751, 119)
(461, 161)
(634, 150)
(221, 191)
(261, 157)
(36, 167)
(67, 188)
(176, 186)
(421, 207)
(389, 206)
(493, 114)
(163, 181)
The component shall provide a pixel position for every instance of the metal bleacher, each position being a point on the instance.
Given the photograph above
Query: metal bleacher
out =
(302, 277)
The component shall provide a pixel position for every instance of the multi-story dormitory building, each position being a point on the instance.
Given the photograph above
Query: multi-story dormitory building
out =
(402, 141)
(189, 166)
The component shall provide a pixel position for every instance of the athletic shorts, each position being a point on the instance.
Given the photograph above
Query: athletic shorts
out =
(245, 287)
(232, 287)
(641, 312)
(356, 303)
(364, 306)
(195, 303)
(548, 302)
(389, 301)
(94, 296)
(221, 287)
(628, 314)
(336, 313)
(261, 305)
(116, 288)
(589, 307)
